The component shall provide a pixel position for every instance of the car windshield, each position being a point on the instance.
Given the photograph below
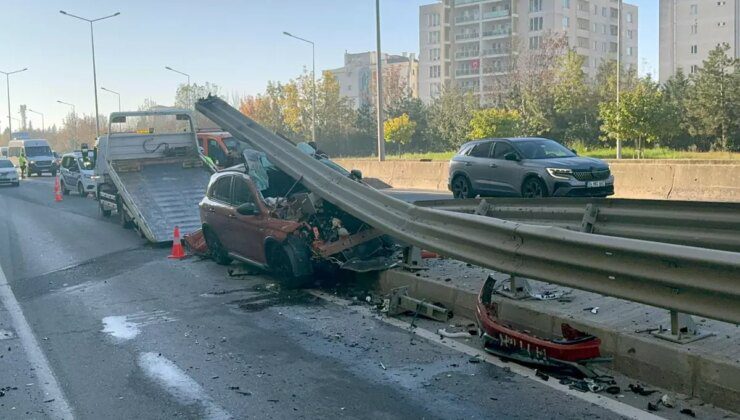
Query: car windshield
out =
(234, 145)
(543, 149)
(6, 164)
(86, 164)
(33, 151)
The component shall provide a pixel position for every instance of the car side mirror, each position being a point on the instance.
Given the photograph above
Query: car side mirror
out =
(247, 209)
(355, 174)
(511, 156)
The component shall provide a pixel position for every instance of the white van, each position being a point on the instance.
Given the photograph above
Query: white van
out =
(38, 154)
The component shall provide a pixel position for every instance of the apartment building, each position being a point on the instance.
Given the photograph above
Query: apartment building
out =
(689, 29)
(357, 78)
(471, 42)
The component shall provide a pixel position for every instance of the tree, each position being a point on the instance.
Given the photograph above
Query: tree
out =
(675, 97)
(449, 119)
(186, 96)
(639, 116)
(493, 122)
(399, 130)
(713, 103)
(575, 108)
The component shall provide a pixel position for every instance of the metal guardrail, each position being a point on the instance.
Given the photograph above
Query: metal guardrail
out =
(686, 279)
(693, 223)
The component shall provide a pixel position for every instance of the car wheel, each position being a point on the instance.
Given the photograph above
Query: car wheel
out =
(81, 190)
(461, 187)
(216, 249)
(63, 187)
(534, 188)
(280, 265)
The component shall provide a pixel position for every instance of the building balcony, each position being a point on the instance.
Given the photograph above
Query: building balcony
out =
(493, 52)
(465, 19)
(467, 54)
(497, 33)
(464, 2)
(494, 71)
(497, 14)
(473, 35)
(466, 72)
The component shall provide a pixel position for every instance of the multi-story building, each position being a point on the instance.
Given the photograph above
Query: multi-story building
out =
(357, 78)
(471, 42)
(689, 29)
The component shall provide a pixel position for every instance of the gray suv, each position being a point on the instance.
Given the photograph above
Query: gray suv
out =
(526, 167)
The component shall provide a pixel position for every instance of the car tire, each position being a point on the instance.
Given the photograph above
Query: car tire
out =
(103, 211)
(215, 248)
(81, 190)
(533, 187)
(280, 265)
(63, 187)
(461, 187)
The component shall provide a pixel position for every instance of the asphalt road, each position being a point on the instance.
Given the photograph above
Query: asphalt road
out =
(128, 333)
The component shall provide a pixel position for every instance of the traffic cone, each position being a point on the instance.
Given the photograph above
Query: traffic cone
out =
(177, 252)
(57, 190)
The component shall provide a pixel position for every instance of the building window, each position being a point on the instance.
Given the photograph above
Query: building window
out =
(583, 24)
(435, 71)
(614, 30)
(629, 51)
(596, 9)
(535, 24)
(694, 9)
(583, 42)
(434, 54)
(434, 37)
(614, 13)
(603, 11)
(566, 22)
(694, 29)
(433, 19)
(612, 47)
(629, 17)
(594, 27)
(694, 69)
(630, 34)
(566, 4)
(534, 42)
(694, 49)
(721, 24)
(434, 89)
(596, 45)
(535, 5)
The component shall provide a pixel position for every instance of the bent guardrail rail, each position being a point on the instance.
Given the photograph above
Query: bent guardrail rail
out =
(695, 223)
(681, 278)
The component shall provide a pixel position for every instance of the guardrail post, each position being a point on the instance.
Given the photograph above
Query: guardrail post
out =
(589, 218)
(683, 329)
(483, 208)
(513, 287)
(412, 258)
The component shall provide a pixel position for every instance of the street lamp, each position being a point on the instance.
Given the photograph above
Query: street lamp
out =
(43, 129)
(74, 117)
(190, 93)
(95, 77)
(115, 93)
(7, 81)
(313, 77)
(379, 84)
(619, 71)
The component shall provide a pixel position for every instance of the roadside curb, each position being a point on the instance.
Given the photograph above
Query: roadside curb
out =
(657, 362)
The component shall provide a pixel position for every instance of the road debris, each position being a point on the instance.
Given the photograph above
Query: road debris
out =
(689, 412)
(638, 389)
(538, 373)
(652, 407)
(667, 401)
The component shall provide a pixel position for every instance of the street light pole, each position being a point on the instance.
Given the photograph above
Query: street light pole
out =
(7, 83)
(74, 117)
(379, 85)
(313, 86)
(619, 71)
(115, 93)
(190, 93)
(43, 126)
(95, 76)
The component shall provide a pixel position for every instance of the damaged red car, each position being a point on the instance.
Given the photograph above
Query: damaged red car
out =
(255, 213)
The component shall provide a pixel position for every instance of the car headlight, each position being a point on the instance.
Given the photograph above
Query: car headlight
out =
(32, 162)
(560, 173)
(86, 176)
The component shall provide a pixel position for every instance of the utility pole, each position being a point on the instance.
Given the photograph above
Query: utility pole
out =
(379, 84)
(190, 90)
(115, 93)
(313, 78)
(43, 126)
(619, 76)
(95, 76)
(7, 82)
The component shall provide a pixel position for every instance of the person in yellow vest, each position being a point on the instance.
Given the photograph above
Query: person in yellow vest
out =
(22, 163)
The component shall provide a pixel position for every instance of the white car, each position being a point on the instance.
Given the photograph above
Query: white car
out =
(8, 173)
(76, 174)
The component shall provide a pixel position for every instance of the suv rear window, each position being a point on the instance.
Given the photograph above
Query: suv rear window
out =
(4, 163)
(481, 150)
(221, 190)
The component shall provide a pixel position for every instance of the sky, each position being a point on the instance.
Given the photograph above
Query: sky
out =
(236, 44)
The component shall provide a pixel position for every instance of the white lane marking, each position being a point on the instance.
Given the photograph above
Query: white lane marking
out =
(181, 386)
(119, 327)
(615, 406)
(52, 391)
(127, 327)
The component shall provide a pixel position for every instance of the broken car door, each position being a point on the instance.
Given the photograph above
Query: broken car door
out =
(248, 224)
(217, 209)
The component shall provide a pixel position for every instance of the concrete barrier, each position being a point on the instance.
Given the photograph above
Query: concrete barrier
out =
(699, 180)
